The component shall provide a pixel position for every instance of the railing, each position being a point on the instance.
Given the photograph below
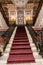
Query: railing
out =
(41, 44)
(37, 38)
(37, 12)
(4, 39)
(3, 13)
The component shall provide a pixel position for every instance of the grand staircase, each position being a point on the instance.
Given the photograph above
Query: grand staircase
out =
(21, 49)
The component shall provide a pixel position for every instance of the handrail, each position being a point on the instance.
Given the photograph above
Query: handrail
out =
(39, 44)
(37, 12)
(3, 13)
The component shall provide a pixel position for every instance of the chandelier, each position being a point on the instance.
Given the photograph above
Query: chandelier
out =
(19, 3)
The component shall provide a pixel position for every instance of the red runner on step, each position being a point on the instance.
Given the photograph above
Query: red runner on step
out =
(21, 50)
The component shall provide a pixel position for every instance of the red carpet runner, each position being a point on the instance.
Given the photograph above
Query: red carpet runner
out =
(20, 51)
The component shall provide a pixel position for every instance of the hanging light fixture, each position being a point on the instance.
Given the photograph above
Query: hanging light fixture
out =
(20, 3)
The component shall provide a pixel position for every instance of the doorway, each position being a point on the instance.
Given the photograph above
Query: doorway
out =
(20, 16)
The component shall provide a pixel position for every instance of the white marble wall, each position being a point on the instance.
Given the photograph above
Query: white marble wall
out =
(2, 22)
(39, 21)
